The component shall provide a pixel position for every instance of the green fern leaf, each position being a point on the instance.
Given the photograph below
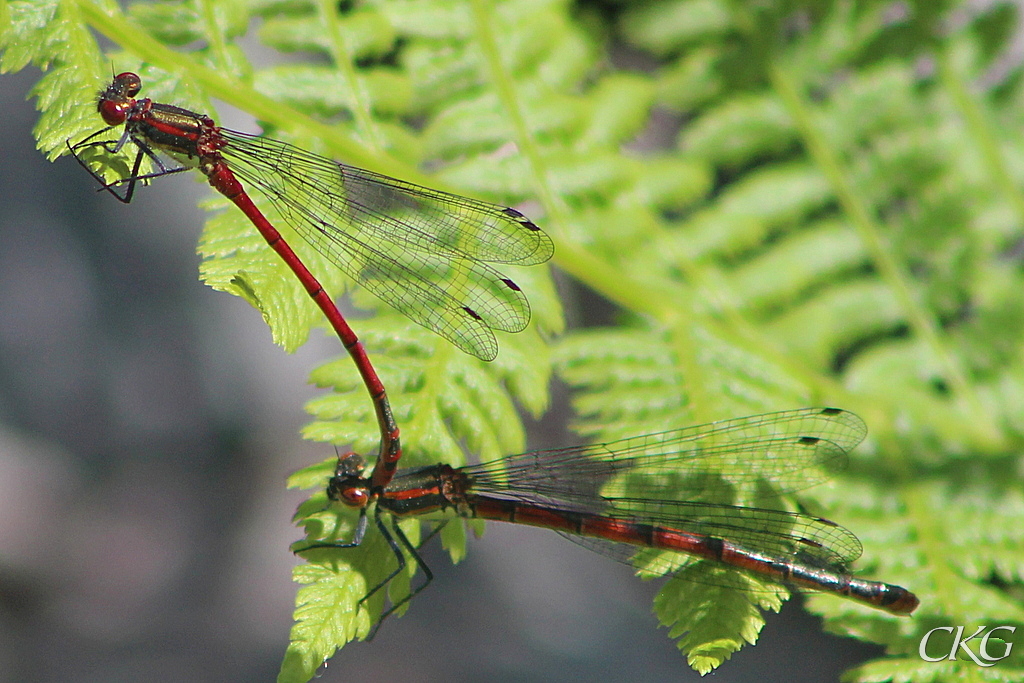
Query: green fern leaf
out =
(794, 204)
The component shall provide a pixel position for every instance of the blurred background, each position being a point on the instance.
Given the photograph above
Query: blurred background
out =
(147, 427)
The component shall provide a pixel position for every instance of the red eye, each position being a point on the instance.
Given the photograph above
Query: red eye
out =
(116, 100)
(113, 112)
(356, 497)
(128, 84)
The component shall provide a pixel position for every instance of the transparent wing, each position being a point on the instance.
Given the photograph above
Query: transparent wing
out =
(790, 536)
(659, 481)
(790, 450)
(424, 252)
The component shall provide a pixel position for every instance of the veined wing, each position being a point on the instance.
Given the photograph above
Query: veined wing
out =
(423, 251)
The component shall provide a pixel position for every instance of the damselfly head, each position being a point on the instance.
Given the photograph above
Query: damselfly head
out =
(350, 465)
(114, 102)
(348, 485)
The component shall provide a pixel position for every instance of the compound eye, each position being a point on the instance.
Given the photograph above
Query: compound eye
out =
(351, 491)
(355, 497)
(128, 83)
(116, 101)
(350, 465)
(114, 113)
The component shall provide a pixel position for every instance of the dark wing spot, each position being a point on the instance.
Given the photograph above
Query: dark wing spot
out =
(523, 220)
(809, 542)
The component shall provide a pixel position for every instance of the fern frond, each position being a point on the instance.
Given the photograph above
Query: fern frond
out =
(795, 203)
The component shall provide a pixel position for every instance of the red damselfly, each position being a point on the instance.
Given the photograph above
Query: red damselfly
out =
(654, 502)
(424, 252)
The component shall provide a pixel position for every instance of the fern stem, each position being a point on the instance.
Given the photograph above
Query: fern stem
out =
(502, 82)
(134, 39)
(665, 305)
(214, 34)
(342, 57)
(921, 322)
(981, 130)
